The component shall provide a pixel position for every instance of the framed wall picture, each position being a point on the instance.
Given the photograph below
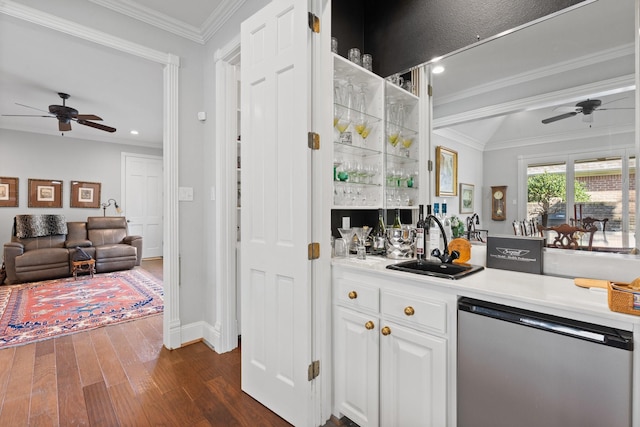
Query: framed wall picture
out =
(45, 193)
(446, 172)
(467, 193)
(8, 192)
(85, 194)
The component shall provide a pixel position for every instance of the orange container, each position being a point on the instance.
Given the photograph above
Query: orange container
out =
(623, 299)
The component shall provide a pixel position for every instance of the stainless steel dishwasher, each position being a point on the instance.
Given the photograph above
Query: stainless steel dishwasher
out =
(522, 368)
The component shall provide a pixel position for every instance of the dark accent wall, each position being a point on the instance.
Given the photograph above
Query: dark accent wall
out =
(404, 33)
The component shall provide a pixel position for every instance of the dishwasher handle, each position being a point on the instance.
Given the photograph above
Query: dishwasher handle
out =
(599, 334)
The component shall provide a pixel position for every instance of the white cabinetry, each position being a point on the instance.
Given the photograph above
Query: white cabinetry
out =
(390, 354)
(375, 140)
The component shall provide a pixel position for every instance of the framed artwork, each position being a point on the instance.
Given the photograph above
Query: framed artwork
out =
(446, 172)
(467, 193)
(45, 193)
(8, 192)
(85, 194)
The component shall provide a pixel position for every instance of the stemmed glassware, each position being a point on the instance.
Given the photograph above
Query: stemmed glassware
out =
(393, 130)
(341, 116)
(347, 234)
(360, 104)
(363, 234)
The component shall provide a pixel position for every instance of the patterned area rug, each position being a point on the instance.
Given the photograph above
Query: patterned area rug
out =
(36, 311)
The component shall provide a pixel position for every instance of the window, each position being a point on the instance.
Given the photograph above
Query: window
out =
(546, 193)
(603, 193)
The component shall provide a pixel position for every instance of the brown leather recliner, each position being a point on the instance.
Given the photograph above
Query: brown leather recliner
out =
(114, 248)
(106, 239)
(37, 258)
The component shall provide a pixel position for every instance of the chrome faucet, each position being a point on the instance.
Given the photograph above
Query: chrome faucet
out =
(471, 225)
(446, 257)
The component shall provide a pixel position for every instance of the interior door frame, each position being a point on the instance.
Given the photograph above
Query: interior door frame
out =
(171, 332)
(225, 330)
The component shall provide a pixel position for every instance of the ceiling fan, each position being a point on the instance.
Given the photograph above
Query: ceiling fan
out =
(66, 115)
(586, 107)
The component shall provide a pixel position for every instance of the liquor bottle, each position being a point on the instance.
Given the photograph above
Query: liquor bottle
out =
(396, 222)
(427, 236)
(420, 255)
(434, 232)
(379, 235)
(446, 222)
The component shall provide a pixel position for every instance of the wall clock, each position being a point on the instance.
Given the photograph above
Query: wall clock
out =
(499, 203)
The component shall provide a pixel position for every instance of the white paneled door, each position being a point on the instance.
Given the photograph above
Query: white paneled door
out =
(276, 227)
(142, 200)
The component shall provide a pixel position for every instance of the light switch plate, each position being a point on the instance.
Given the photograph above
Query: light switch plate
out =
(185, 194)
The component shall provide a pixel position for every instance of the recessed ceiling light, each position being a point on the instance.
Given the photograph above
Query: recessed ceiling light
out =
(438, 69)
(134, 132)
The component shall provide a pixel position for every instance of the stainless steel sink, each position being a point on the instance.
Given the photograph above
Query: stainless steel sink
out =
(436, 269)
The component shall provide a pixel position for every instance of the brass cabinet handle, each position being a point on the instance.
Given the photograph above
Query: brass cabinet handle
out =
(385, 331)
(353, 295)
(409, 311)
(369, 325)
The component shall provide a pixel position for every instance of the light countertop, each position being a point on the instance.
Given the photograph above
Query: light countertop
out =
(554, 295)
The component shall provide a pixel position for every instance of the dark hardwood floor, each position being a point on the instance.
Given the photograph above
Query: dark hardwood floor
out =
(121, 375)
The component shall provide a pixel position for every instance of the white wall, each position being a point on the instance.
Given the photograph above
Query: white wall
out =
(470, 171)
(27, 155)
(501, 168)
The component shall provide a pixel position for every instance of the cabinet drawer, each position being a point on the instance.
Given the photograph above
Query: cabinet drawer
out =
(357, 295)
(424, 312)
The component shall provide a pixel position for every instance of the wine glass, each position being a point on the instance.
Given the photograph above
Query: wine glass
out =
(369, 127)
(360, 105)
(363, 234)
(407, 139)
(393, 130)
(341, 119)
(347, 234)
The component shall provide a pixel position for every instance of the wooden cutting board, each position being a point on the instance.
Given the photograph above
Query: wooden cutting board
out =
(597, 283)
(463, 246)
(591, 283)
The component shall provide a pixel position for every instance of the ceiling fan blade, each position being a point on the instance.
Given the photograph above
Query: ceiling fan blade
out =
(64, 126)
(96, 125)
(33, 108)
(88, 117)
(560, 117)
(26, 115)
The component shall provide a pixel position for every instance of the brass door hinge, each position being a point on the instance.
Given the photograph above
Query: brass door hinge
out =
(314, 370)
(314, 23)
(313, 140)
(313, 250)
(430, 90)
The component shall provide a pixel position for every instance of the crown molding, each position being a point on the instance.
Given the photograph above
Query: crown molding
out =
(460, 138)
(62, 25)
(219, 17)
(201, 35)
(562, 137)
(152, 17)
(539, 73)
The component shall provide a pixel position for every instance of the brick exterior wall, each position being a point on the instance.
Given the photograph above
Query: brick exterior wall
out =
(606, 201)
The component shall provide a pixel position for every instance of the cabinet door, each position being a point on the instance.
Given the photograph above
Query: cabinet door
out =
(413, 369)
(356, 378)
